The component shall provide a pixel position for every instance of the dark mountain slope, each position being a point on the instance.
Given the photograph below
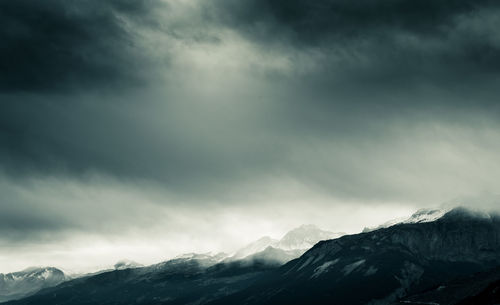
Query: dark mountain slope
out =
(471, 289)
(383, 265)
(489, 296)
(20, 284)
(377, 267)
(179, 281)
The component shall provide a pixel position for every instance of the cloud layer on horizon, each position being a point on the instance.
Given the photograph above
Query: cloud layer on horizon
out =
(250, 105)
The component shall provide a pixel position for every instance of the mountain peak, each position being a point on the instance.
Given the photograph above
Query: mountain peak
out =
(28, 281)
(463, 213)
(294, 242)
(420, 216)
(304, 237)
(307, 227)
(126, 264)
(426, 215)
(254, 247)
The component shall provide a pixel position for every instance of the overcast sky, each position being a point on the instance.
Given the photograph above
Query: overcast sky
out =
(143, 129)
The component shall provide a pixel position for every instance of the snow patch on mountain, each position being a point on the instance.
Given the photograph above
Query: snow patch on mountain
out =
(371, 270)
(309, 259)
(420, 216)
(126, 264)
(323, 268)
(20, 284)
(292, 245)
(426, 215)
(304, 237)
(351, 267)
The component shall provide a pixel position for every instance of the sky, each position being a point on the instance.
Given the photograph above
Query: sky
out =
(143, 129)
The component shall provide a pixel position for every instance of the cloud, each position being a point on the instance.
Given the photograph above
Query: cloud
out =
(374, 46)
(61, 45)
(319, 22)
(260, 108)
(90, 225)
(321, 82)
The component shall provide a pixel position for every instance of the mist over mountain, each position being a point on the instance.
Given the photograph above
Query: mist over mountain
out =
(426, 260)
(126, 264)
(254, 247)
(265, 252)
(381, 266)
(304, 237)
(166, 152)
(291, 245)
(422, 215)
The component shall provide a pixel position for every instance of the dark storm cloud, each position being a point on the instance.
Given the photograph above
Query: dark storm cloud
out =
(63, 45)
(142, 119)
(182, 147)
(357, 79)
(319, 22)
(377, 44)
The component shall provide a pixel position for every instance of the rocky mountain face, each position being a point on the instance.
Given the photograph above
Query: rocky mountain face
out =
(178, 281)
(20, 284)
(476, 288)
(209, 274)
(449, 260)
(381, 266)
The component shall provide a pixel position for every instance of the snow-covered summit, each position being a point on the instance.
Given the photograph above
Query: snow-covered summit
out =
(426, 215)
(20, 284)
(127, 264)
(202, 256)
(304, 237)
(420, 216)
(257, 246)
(41, 273)
(429, 215)
(291, 245)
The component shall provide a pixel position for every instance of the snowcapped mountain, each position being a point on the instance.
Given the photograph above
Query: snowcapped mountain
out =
(292, 245)
(304, 237)
(426, 215)
(429, 259)
(420, 216)
(212, 256)
(188, 262)
(382, 266)
(254, 247)
(126, 264)
(20, 284)
(273, 256)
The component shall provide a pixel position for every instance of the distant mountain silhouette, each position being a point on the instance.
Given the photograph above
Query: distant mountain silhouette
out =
(406, 263)
(293, 244)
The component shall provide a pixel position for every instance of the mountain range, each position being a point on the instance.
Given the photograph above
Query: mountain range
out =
(291, 245)
(270, 251)
(29, 281)
(450, 257)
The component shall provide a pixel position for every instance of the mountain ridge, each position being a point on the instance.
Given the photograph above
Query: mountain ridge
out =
(16, 285)
(389, 262)
(378, 267)
(294, 242)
